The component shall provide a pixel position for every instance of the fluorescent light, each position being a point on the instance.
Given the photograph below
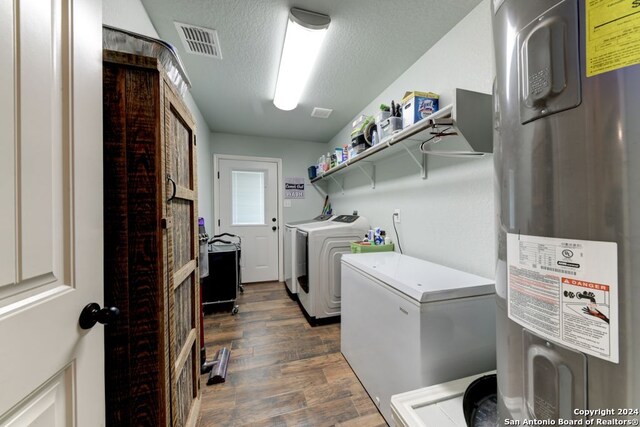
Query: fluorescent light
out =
(302, 42)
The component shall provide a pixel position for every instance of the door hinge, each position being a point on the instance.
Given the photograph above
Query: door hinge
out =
(197, 261)
(195, 141)
(218, 174)
(218, 223)
(165, 223)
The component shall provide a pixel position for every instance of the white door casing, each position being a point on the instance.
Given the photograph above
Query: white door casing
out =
(51, 371)
(262, 256)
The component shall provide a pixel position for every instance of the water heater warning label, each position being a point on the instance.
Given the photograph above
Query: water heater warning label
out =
(566, 291)
(613, 35)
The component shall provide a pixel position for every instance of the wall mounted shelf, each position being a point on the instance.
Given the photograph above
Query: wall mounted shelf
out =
(404, 140)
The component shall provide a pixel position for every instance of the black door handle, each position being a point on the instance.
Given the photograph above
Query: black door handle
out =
(273, 219)
(93, 314)
(174, 188)
(274, 228)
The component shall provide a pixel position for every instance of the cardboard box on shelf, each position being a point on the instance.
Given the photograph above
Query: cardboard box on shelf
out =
(418, 105)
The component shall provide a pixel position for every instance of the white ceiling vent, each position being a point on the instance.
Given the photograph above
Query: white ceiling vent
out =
(321, 113)
(199, 40)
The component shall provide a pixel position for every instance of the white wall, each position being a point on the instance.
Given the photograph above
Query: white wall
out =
(449, 217)
(131, 15)
(296, 157)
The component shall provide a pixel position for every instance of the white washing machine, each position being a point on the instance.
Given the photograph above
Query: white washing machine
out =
(438, 405)
(319, 249)
(290, 249)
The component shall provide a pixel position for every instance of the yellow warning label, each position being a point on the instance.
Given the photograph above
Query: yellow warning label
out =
(613, 35)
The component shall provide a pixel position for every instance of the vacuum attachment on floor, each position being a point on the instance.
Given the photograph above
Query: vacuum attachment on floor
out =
(217, 368)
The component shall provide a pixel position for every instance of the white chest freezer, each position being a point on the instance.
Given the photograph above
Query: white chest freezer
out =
(409, 323)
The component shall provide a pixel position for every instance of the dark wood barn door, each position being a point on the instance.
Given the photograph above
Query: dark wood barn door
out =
(182, 245)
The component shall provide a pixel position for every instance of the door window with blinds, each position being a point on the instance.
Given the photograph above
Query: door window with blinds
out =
(246, 202)
(248, 197)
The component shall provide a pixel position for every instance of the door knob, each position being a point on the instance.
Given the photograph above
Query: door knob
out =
(273, 219)
(274, 228)
(93, 314)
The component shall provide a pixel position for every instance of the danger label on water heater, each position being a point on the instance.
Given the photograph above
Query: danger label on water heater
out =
(566, 291)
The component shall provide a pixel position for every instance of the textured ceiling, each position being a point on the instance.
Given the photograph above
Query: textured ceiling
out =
(369, 44)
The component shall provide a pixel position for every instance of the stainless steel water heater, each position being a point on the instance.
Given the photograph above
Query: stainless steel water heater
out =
(567, 160)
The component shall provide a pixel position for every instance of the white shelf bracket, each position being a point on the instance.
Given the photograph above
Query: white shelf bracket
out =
(421, 164)
(337, 182)
(371, 176)
(425, 158)
(319, 189)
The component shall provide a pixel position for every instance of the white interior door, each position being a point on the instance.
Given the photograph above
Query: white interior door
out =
(248, 207)
(51, 371)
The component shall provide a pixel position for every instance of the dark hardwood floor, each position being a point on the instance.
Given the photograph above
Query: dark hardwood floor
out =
(282, 372)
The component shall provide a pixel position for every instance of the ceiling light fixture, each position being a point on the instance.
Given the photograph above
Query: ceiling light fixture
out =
(302, 42)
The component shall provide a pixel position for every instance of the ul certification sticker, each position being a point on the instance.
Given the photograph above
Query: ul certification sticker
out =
(566, 291)
(613, 35)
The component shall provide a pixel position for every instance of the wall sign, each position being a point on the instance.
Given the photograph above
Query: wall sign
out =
(294, 188)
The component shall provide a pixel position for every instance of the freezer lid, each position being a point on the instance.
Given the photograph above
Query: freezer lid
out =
(319, 218)
(359, 223)
(420, 280)
(294, 223)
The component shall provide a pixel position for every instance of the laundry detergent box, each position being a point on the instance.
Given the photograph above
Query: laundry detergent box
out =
(418, 105)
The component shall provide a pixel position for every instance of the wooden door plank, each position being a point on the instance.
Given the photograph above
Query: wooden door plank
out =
(184, 193)
(181, 275)
(184, 354)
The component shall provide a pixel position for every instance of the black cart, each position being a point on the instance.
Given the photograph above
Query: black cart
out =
(224, 280)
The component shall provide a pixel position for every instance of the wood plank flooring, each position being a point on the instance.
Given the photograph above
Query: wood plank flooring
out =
(282, 372)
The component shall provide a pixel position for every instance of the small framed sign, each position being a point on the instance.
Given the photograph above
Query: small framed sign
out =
(294, 188)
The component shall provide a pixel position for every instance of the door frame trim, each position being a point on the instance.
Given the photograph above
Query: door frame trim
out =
(280, 186)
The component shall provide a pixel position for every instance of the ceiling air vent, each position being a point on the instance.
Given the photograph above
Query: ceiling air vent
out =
(199, 41)
(321, 113)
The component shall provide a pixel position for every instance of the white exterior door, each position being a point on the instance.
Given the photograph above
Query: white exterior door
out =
(247, 206)
(51, 371)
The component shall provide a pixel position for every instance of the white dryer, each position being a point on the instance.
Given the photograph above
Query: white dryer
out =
(290, 250)
(319, 249)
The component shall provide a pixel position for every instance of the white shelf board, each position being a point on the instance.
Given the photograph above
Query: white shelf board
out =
(405, 139)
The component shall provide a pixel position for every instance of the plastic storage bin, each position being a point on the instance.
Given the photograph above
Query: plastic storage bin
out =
(388, 126)
(357, 248)
(382, 116)
(359, 143)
